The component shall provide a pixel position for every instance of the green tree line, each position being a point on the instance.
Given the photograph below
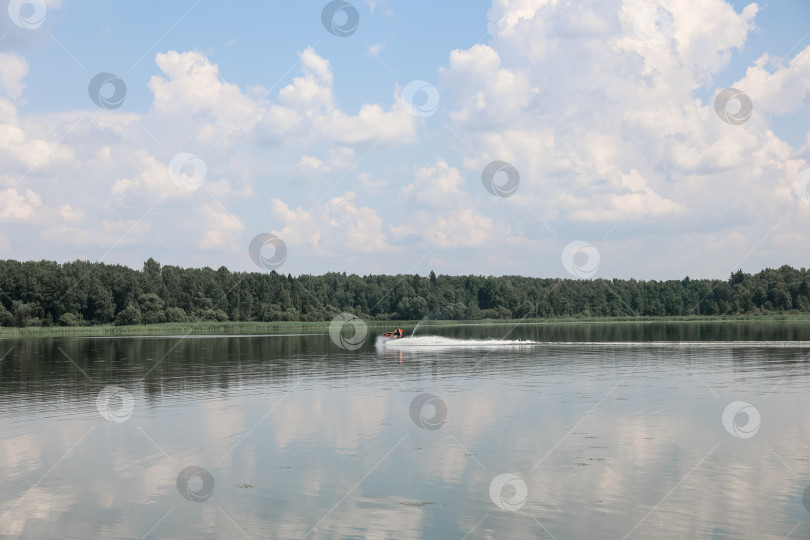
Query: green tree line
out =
(47, 293)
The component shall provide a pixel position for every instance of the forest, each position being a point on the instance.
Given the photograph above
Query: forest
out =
(47, 293)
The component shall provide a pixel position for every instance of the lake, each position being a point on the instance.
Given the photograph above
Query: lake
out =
(620, 430)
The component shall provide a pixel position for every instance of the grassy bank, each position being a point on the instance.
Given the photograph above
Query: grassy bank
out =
(246, 328)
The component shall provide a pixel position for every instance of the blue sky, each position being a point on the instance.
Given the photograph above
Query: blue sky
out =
(252, 42)
(605, 108)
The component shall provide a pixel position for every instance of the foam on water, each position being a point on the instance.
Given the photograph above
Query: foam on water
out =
(437, 342)
(686, 344)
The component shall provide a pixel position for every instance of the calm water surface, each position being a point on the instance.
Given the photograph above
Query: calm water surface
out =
(603, 431)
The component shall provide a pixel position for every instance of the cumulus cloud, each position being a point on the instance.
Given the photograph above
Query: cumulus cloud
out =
(68, 213)
(608, 117)
(780, 89)
(452, 229)
(629, 194)
(24, 151)
(335, 226)
(621, 135)
(306, 110)
(120, 160)
(151, 179)
(506, 93)
(438, 184)
(337, 160)
(221, 228)
(445, 215)
(13, 69)
(18, 206)
(191, 86)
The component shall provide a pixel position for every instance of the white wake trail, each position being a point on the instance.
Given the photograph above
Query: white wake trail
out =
(438, 342)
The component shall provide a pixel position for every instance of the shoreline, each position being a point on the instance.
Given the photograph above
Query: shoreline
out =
(250, 328)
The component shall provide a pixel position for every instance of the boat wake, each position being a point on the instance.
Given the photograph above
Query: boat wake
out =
(439, 342)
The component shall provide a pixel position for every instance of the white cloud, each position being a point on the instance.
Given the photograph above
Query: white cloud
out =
(18, 206)
(436, 185)
(68, 213)
(631, 195)
(338, 160)
(311, 165)
(370, 184)
(621, 130)
(192, 83)
(13, 69)
(785, 89)
(312, 96)
(497, 102)
(110, 234)
(452, 229)
(24, 152)
(222, 229)
(337, 225)
(447, 217)
(191, 87)
(118, 161)
(151, 178)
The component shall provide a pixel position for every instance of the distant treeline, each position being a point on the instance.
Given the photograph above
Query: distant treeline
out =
(47, 293)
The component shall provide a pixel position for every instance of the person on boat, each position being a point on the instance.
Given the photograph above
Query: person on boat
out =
(398, 333)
